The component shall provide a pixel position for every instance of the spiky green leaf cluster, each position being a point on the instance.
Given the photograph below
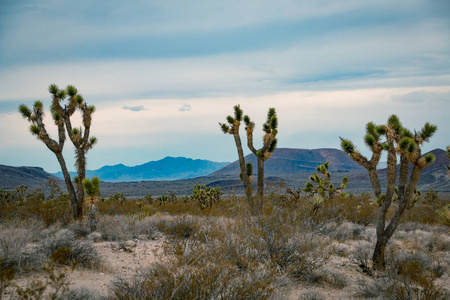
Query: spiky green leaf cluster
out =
(230, 119)
(427, 131)
(373, 134)
(53, 89)
(38, 105)
(249, 169)
(224, 127)
(408, 145)
(35, 129)
(238, 113)
(394, 123)
(92, 187)
(429, 158)
(71, 90)
(273, 146)
(347, 146)
(25, 111)
(79, 99)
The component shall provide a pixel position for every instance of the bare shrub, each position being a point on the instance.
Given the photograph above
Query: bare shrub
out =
(81, 294)
(362, 257)
(410, 275)
(78, 251)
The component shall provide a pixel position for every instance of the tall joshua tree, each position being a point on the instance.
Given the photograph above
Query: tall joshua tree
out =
(79, 137)
(246, 169)
(398, 141)
(270, 143)
(265, 152)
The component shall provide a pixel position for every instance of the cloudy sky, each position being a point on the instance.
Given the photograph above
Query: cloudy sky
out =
(162, 74)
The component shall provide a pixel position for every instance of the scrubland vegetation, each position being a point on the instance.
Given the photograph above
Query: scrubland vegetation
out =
(315, 242)
(294, 248)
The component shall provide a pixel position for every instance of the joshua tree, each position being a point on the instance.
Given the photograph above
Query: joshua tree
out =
(246, 169)
(92, 188)
(269, 145)
(323, 183)
(448, 155)
(79, 137)
(398, 141)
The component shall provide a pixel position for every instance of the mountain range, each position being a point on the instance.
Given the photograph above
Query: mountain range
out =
(168, 168)
(290, 166)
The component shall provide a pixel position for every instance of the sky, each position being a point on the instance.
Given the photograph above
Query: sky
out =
(162, 74)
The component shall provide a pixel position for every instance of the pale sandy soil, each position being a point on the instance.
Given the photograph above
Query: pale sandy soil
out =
(125, 262)
(117, 262)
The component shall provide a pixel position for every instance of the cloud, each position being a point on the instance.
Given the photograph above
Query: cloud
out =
(185, 107)
(421, 96)
(134, 108)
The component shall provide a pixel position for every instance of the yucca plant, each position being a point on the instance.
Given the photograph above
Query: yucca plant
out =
(269, 145)
(321, 184)
(79, 136)
(398, 141)
(265, 152)
(92, 188)
(232, 128)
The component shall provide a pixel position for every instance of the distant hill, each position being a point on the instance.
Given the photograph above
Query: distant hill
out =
(169, 168)
(287, 161)
(32, 177)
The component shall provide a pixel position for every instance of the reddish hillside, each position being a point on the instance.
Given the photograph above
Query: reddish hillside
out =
(286, 161)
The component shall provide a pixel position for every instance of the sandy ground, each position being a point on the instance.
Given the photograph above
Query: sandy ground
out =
(117, 261)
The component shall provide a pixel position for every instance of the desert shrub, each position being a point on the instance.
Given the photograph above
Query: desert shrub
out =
(444, 215)
(311, 295)
(205, 196)
(410, 275)
(362, 257)
(81, 294)
(116, 198)
(14, 250)
(333, 278)
(424, 211)
(122, 228)
(51, 209)
(349, 231)
(64, 248)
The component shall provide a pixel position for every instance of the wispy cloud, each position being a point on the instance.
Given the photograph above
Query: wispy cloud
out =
(134, 108)
(421, 96)
(185, 107)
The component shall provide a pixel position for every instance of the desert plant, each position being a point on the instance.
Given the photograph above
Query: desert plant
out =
(117, 197)
(205, 196)
(163, 199)
(399, 141)
(92, 188)
(264, 153)
(246, 169)
(444, 215)
(79, 137)
(323, 183)
(6, 276)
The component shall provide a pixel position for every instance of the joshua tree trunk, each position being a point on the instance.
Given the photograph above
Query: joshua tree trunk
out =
(69, 186)
(244, 176)
(260, 192)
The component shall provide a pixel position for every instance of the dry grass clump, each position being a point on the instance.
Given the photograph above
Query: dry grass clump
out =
(409, 275)
(65, 248)
(245, 256)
